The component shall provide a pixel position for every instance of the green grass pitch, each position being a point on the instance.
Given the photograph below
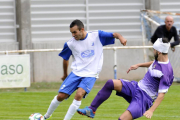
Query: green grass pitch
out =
(15, 104)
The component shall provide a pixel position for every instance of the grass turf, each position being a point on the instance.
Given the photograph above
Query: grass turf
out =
(15, 104)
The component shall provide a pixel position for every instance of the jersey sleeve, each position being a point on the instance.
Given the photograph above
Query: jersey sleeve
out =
(165, 83)
(106, 38)
(176, 38)
(66, 52)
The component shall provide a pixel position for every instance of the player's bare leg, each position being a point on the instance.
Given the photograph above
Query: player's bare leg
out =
(76, 103)
(62, 96)
(126, 116)
(79, 94)
(117, 85)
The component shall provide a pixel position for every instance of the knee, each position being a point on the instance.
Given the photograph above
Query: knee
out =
(62, 96)
(109, 84)
(79, 96)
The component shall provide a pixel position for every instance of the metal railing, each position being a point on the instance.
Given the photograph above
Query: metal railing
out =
(105, 48)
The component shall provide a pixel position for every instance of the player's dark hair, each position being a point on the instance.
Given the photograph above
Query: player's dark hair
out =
(77, 22)
(165, 40)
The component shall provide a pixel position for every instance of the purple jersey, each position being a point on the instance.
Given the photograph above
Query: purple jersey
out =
(158, 79)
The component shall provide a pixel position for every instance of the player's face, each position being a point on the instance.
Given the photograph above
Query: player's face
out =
(76, 33)
(169, 22)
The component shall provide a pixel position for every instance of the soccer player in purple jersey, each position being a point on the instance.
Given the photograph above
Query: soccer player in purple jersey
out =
(142, 94)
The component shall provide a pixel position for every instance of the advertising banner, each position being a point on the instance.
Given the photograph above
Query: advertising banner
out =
(14, 71)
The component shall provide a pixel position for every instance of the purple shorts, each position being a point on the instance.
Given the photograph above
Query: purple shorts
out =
(139, 100)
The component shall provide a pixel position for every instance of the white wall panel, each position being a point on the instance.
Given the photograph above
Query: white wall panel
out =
(7, 21)
(51, 18)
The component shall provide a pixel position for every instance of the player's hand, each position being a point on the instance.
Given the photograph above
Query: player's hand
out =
(123, 41)
(173, 49)
(63, 77)
(148, 114)
(133, 67)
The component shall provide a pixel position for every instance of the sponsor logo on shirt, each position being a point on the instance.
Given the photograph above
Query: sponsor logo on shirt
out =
(154, 66)
(87, 53)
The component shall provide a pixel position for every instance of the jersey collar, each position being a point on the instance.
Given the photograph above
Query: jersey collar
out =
(85, 37)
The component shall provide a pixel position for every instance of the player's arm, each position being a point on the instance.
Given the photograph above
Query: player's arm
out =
(120, 37)
(134, 67)
(108, 38)
(157, 102)
(65, 54)
(176, 39)
(65, 69)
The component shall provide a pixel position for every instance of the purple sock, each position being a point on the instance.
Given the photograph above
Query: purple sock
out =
(119, 119)
(102, 95)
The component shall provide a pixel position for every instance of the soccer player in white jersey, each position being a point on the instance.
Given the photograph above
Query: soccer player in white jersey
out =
(142, 94)
(86, 49)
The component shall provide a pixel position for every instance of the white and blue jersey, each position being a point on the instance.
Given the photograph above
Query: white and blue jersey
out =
(87, 54)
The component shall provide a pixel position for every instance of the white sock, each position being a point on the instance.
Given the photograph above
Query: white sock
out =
(72, 109)
(54, 104)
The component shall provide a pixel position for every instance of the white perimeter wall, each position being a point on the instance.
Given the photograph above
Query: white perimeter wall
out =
(50, 20)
